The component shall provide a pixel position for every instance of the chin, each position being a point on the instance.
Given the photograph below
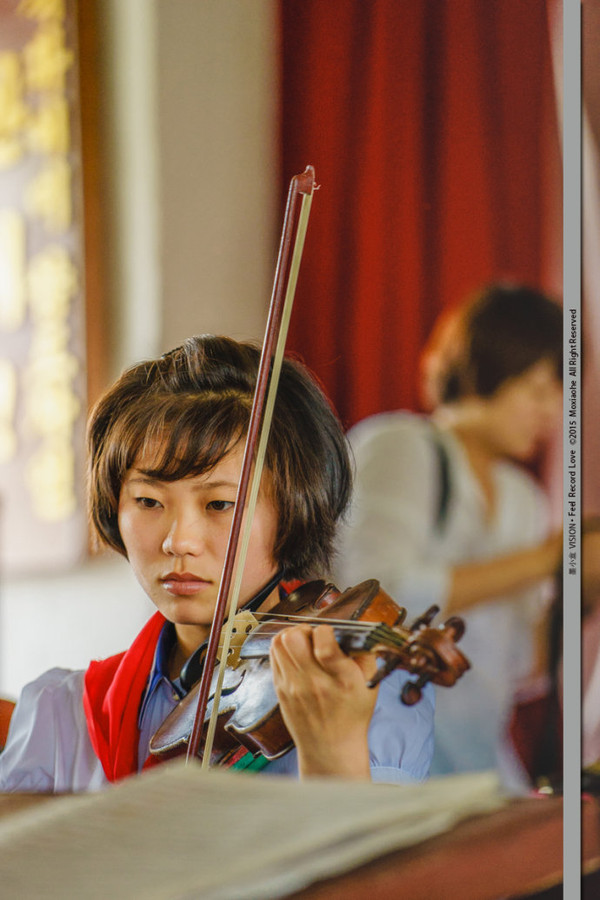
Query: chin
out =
(182, 611)
(187, 622)
(524, 453)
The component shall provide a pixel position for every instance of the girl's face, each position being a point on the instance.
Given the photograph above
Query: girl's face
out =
(523, 413)
(176, 534)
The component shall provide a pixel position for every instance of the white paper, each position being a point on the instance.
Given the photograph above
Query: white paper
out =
(177, 833)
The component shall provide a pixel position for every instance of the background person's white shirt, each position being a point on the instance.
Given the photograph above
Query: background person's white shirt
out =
(391, 535)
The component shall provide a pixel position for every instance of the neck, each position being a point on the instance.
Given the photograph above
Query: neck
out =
(188, 638)
(481, 455)
(467, 422)
(177, 659)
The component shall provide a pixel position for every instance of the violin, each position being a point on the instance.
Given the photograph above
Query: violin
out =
(364, 618)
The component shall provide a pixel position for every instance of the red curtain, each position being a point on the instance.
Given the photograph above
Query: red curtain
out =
(431, 127)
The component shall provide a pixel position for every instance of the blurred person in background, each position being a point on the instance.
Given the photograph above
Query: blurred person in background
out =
(446, 512)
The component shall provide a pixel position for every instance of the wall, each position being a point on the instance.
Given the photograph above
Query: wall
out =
(219, 180)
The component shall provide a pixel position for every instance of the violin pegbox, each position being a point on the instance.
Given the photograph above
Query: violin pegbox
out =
(433, 654)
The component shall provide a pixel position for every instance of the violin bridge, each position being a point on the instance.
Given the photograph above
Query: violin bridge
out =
(243, 623)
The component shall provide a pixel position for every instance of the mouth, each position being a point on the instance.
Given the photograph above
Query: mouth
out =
(183, 584)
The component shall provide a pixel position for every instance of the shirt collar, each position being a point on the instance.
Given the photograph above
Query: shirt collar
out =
(160, 667)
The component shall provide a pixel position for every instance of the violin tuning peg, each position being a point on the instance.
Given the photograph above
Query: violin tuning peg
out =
(382, 672)
(425, 619)
(455, 626)
(411, 692)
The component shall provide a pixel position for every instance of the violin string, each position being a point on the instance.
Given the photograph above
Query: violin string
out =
(379, 631)
(316, 620)
(339, 624)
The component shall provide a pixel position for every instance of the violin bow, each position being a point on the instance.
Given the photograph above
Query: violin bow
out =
(297, 211)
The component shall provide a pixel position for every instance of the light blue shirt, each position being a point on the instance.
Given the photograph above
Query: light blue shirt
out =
(49, 749)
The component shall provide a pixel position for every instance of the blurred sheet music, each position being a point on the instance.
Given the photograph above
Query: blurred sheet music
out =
(177, 832)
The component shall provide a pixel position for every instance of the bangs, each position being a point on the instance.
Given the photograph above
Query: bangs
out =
(175, 437)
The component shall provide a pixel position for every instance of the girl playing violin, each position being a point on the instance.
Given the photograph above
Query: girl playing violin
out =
(165, 453)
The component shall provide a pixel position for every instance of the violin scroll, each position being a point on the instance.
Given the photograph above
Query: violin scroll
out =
(430, 653)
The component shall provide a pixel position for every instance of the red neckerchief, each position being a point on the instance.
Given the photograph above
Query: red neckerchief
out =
(113, 690)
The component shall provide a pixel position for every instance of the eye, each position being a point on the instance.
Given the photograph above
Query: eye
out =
(220, 505)
(147, 502)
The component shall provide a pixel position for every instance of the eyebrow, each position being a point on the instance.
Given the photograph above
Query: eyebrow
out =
(148, 479)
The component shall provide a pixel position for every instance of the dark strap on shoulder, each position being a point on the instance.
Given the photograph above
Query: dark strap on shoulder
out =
(444, 482)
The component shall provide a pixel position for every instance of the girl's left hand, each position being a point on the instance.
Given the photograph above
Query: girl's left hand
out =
(324, 700)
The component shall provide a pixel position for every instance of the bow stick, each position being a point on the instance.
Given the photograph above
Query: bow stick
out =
(291, 246)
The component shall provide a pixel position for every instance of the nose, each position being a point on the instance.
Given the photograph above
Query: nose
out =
(184, 537)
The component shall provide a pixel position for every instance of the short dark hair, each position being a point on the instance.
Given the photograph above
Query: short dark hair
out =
(190, 407)
(497, 334)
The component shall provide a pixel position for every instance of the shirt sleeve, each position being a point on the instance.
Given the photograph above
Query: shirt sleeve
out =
(401, 737)
(389, 529)
(48, 749)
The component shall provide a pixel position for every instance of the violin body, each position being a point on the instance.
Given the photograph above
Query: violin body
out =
(249, 714)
